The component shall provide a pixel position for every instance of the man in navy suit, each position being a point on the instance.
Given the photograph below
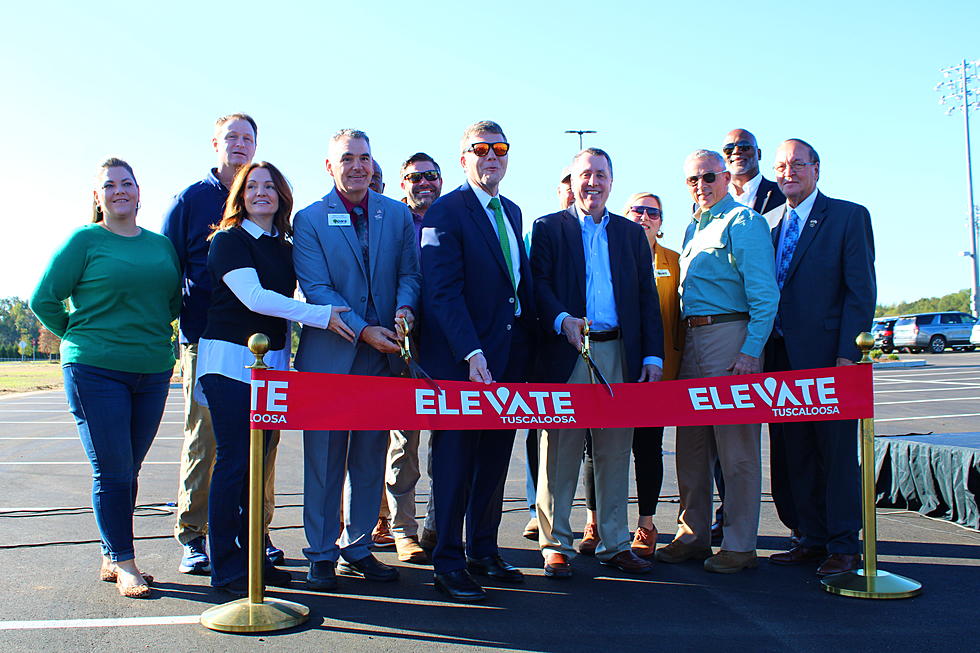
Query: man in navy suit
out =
(479, 307)
(825, 271)
(592, 266)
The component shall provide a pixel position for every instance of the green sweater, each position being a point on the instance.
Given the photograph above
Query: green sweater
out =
(124, 291)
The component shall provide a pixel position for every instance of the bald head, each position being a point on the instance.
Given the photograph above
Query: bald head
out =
(742, 155)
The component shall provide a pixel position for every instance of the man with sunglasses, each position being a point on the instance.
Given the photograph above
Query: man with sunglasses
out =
(728, 302)
(592, 267)
(825, 271)
(478, 305)
(421, 181)
(748, 186)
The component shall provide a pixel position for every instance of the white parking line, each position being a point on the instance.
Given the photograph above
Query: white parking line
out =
(100, 623)
(894, 373)
(924, 401)
(78, 462)
(881, 392)
(71, 437)
(912, 419)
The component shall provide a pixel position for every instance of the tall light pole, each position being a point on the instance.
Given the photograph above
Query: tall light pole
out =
(580, 132)
(959, 92)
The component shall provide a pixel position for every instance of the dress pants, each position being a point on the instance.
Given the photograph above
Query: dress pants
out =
(469, 469)
(709, 351)
(648, 469)
(402, 474)
(560, 458)
(197, 459)
(348, 463)
(823, 480)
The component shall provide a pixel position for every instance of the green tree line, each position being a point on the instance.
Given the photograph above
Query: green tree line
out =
(18, 324)
(957, 301)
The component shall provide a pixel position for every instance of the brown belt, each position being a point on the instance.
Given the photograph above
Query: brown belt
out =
(705, 320)
(604, 336)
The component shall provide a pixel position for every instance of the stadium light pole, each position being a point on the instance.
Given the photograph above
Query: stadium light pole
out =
(959, 92)
(580, 132)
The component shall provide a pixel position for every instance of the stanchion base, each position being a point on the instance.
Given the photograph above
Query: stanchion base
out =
(883, 585)
(243, 617)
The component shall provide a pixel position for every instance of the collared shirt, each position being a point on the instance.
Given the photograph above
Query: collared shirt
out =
(515, 253)
(802, 213)
(417, 220)
(749, 190)
(728, 266)
(600, 301)
(350, 206)
(187, 224)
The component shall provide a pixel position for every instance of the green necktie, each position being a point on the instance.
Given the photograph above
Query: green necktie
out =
(498, 215)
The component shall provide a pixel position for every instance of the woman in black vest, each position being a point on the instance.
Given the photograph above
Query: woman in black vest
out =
(251, 267)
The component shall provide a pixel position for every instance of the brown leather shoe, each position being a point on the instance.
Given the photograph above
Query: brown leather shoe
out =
(556, 565)
(409, 550)
(644, 541)
(837, 563)
(730, 562)
(795, 538)
(531, 529)
(381, 536)
(678, 551)
(628, 562)
(798, 555)
(590, 540)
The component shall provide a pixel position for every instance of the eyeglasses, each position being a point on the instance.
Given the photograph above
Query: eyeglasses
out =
(653, 212)
(483, 149)
(793, 166)
(708, 177)
(416, 177)
(741, 146)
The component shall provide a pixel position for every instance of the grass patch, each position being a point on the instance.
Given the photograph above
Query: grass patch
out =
(24, 377)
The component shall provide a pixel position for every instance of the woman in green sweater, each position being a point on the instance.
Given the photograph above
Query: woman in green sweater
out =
(123, 285)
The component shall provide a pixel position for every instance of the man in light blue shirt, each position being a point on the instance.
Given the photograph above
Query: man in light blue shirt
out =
(728, 301)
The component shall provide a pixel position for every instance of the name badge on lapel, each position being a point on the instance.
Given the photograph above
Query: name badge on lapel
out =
(338, 219)
(661, 273)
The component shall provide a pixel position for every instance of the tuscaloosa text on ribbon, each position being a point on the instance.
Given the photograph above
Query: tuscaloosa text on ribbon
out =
(302, 400)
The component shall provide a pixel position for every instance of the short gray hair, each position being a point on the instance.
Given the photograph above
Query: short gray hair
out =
(594, 151)
(706, 154)
(350, 133)
(481, 127)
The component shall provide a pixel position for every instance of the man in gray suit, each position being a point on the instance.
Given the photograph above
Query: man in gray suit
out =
(352, 248)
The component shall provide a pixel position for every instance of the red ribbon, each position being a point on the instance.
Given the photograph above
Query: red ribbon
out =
(303, 400)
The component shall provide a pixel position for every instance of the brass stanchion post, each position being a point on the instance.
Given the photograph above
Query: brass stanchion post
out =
(255, 613)
(870, 582)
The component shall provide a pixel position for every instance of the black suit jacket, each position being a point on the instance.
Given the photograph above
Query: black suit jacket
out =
(558, 265)
(767, 197)
(829, 294)
(467, 295)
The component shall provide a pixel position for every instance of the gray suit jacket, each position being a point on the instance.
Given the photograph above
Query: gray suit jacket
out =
(330, 270)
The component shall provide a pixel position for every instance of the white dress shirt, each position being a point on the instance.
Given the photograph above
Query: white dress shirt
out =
(802, 213)
(749, 190)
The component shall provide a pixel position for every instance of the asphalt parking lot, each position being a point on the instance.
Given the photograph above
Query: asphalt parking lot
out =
(50, 556)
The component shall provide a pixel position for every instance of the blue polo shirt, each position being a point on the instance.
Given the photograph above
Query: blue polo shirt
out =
(187, 224)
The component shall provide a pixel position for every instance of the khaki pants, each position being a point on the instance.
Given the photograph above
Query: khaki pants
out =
(560, 457)
(708, 352)
(402, 474)
(197, 459)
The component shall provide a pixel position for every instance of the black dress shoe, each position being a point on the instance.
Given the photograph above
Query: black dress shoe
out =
(271, 576)
(369, 568)
(460, 586)
(717, 533)
(322, 576)
(495, 567)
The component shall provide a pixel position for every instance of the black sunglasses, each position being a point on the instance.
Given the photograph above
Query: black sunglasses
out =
(416, 177)
(652, 211)
(483, 149)
(742, 146)
(708, 177)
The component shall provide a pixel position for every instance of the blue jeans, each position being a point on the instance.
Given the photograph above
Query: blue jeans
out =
(228, 401)
(117, 414)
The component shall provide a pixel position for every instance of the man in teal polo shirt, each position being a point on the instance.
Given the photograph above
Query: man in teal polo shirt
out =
(728, 301)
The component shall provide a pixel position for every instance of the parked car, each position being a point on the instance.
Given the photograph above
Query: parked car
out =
(933, 331)
(882, 330)
(975, 334)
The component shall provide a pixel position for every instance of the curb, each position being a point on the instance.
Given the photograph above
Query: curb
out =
(916, 362)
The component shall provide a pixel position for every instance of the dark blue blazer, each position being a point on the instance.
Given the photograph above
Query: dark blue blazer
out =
(467, 296)
(829, 294)
(558, 265)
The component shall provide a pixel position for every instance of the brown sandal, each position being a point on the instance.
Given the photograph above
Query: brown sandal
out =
(108, 574)
(141, 591)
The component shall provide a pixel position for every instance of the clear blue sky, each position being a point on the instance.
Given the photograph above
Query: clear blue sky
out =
(145, 82)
